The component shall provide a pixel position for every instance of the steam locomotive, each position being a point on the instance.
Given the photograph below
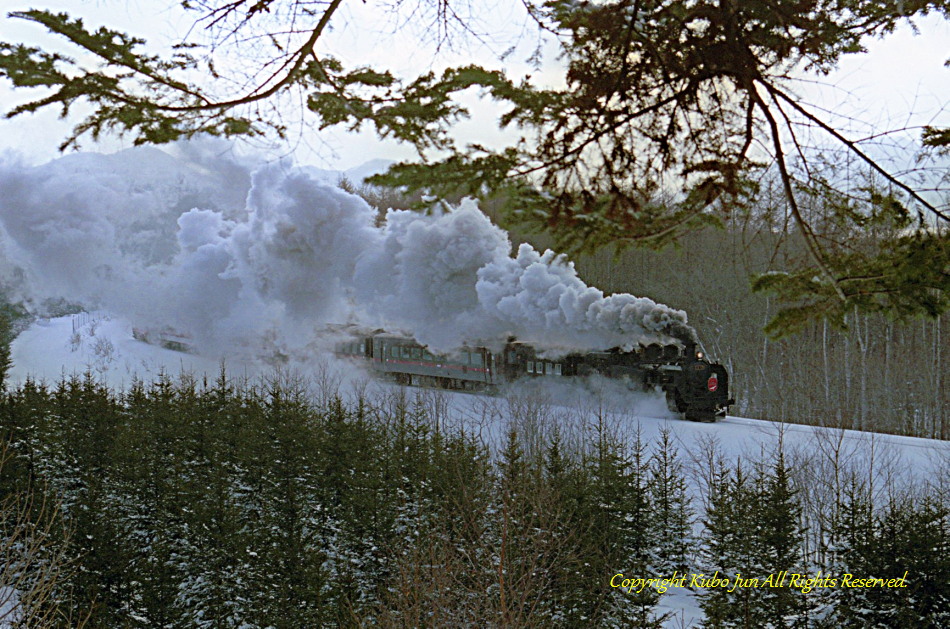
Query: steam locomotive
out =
(695, 387)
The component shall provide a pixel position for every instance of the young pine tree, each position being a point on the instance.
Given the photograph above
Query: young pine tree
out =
(909, 536)
(752, 531)
(672, 510)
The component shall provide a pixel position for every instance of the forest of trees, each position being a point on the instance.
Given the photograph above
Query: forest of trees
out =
(275, 504)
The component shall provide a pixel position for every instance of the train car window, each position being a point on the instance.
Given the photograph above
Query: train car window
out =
(426, 355)
(531, 366)
(416, 352)
(477, 360)
(557, 369)
(512, 357)
(394, 352)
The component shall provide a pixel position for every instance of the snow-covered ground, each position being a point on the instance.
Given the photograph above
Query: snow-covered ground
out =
(104, 346)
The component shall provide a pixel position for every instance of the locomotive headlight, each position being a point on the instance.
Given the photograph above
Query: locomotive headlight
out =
(699, 355)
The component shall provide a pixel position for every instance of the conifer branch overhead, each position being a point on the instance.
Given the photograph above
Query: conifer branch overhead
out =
(660, 129)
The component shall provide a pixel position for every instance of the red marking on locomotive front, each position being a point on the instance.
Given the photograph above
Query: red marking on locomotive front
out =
(713, 383)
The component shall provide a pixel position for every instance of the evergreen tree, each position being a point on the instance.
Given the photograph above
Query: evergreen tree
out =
(910, 536)
(730, 549)
(753, 531)
(672, 509)
(568, 604)
(147, 475)
(85, 421)
(854, 544)
(516, 534)
(622, 535)
(287, 580)
(24, 423)
(781, 542)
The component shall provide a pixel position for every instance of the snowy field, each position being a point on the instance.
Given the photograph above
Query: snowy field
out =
(104, 346)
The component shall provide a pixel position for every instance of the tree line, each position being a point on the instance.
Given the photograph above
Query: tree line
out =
(279, 503)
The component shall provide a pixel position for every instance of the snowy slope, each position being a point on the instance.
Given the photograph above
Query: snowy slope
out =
(104, 346)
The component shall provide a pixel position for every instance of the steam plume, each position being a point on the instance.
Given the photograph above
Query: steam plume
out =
(240, 253)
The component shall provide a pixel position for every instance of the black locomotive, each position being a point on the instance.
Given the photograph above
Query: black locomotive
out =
(694, 386)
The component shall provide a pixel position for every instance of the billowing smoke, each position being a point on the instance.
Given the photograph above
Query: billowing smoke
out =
(240, 253)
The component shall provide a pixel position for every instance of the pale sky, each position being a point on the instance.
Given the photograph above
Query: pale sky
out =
(901, 82)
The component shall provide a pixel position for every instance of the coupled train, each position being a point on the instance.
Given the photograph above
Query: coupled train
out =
(694, 387)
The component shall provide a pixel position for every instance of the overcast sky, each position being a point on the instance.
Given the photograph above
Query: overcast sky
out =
(902, 81)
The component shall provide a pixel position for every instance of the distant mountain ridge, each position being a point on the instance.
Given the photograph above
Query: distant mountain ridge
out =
(356, 175)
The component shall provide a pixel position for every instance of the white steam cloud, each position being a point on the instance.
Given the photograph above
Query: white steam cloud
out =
(240, 254)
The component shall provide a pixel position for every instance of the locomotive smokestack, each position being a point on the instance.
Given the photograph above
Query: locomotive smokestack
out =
(685, 333)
